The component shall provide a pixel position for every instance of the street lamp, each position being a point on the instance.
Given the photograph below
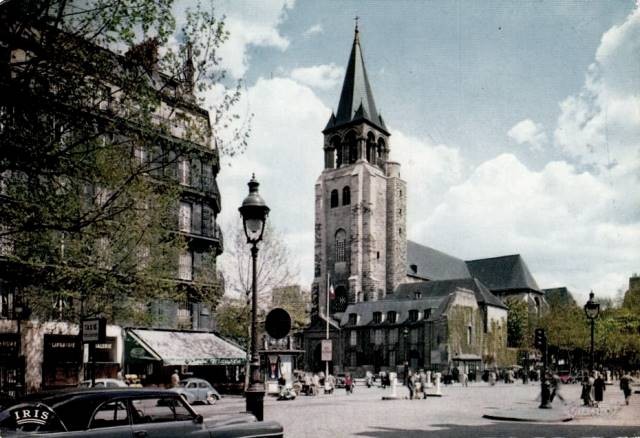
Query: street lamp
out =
(592, 310)
(254, 213)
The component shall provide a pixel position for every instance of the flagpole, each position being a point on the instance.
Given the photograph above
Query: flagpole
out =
(326, 368)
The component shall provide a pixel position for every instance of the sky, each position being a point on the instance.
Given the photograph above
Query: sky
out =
(517, 124)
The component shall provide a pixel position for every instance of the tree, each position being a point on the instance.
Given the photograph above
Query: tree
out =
(233, 317)
(517, 323)
(274, 265)
(91, 91)
(294, 300)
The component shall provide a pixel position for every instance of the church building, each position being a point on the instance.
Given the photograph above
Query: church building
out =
(394, 301)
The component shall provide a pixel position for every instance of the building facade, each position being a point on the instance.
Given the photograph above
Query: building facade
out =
(393, 301)
(184, 153)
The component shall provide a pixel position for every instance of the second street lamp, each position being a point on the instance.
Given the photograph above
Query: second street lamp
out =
(592, 310)
(254, 213)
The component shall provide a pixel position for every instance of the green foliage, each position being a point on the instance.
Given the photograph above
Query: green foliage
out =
(233, 318)
(518, 327)
(90, 143)
(295, 301)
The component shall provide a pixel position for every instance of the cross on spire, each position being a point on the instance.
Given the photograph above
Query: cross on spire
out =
(356, 19)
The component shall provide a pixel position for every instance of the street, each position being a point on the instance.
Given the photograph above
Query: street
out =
(457, 414)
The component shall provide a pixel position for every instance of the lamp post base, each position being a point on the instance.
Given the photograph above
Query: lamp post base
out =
(254, 397)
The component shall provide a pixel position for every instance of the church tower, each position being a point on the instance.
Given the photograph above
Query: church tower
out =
(360, 201)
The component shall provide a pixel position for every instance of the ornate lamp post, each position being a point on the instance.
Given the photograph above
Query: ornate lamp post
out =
(254, 213)
(592, 310)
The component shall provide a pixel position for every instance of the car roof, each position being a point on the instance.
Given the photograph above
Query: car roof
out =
(92, 393)
(194, 379)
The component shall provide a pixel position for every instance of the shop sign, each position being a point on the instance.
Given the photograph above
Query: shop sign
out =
(105, 351)
(62, 348)
(94, 330)
(8, 345)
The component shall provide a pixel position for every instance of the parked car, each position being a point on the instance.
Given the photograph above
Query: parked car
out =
(104, 383)
(197, 390)
(123, 412)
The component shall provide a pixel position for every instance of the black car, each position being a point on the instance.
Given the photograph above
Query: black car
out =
(120, 413)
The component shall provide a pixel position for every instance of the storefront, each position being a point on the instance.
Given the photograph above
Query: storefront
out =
(11, 367)
(105, 359)
(62, 361)
(155, 354)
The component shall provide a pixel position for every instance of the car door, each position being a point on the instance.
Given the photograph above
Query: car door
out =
(111, 419)
(192, 389)
(203, 389)
(164, 417)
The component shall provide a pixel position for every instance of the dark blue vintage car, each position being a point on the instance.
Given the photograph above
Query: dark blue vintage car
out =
(123, 413)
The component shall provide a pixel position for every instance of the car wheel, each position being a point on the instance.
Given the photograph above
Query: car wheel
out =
(211, 399)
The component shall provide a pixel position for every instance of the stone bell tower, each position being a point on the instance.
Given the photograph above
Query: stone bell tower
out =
(360, 201)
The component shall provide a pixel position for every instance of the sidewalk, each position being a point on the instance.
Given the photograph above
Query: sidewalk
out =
(610, 412)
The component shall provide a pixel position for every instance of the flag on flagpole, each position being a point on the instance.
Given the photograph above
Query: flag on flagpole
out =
(332, 293)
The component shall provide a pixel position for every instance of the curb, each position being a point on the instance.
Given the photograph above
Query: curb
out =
(523, 417)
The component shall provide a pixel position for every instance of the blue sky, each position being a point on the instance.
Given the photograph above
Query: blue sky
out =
(516, 123)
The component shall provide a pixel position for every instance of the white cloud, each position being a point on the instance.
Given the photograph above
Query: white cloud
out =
(428, 169)
(527, 131)
(600, 126)
(313, 30)
(250, 23)
(558, 218)
(324, 76)
(575, 222)
(285, 152)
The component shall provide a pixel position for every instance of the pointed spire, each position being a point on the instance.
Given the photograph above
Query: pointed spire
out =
(356, 98)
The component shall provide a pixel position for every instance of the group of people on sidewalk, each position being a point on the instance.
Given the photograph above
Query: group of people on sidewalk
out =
(594, 386)
(417, 384)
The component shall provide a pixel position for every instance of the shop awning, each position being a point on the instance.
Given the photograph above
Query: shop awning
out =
(173, 348)
(467, 357)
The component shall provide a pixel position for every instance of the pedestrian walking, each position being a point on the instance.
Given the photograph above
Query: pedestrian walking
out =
(348, 384)
(555, 388)
(465, 379)
(383, 379)
(175, 379)
(625, 386)
(411, 384)
(492, 378)
(598, 388)
(585, 395)
(423, 383)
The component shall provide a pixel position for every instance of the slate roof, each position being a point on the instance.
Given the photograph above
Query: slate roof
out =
(503, 273)
(442, 288)
(366, 308)
(356, 99)
(559, 296)
(433, 264)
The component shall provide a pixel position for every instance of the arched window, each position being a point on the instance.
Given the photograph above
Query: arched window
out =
(346, 196)
(381, 149)
(341, 246)
(335, 144)
(371, 148)
(334, 198)
(352, 147)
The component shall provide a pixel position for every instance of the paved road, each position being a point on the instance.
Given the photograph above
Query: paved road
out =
(457, 414)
